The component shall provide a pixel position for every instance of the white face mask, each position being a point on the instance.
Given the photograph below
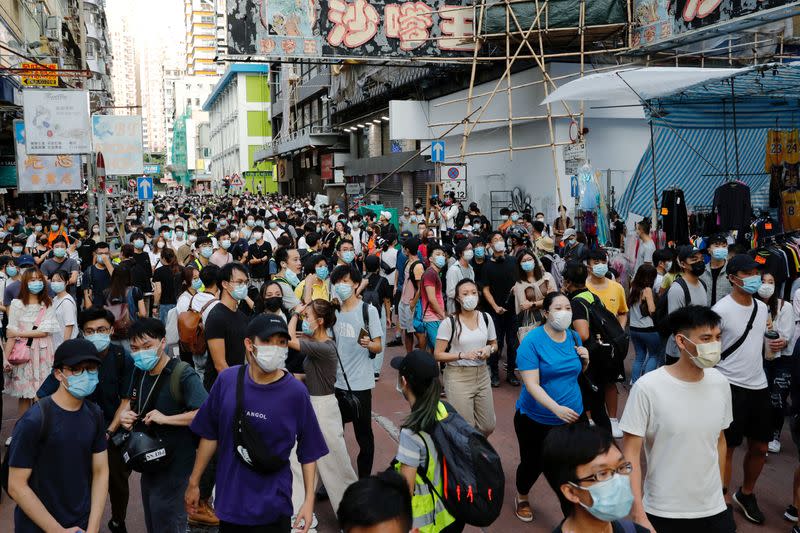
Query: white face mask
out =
(708, 354)
(499, 246)
(468, 255)
(192, 238)
(560, 320)
(469, 302)
(270, 358)
(766, 290)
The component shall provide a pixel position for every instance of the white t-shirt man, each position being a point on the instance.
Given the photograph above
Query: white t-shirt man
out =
(390, 258)
(683, 478)
(676, 299)
(745, 366)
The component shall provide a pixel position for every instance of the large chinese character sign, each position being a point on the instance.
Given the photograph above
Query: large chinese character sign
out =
(43, 173)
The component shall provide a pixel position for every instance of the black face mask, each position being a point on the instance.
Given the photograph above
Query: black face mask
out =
(698, 268)
(273, 304)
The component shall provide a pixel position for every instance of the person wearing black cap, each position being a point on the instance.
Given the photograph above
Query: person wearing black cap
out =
(744, 323)
(278, 411)
(60, 442)
(688, 289)
(418, 382)
(717, 284)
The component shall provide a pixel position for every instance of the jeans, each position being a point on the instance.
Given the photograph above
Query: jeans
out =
(362, 426)
(163, 311)
(431, 329)
(162, 499)
(647, 345)
(505, 326)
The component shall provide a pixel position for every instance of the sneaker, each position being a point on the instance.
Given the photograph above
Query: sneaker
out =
(396, 342)
(204, 516)
(512, 380)
(774, 446)
(312, 528)
(8, 442)
(796, 529)
(615, 431)
(495, 379)
(117, 527)
(523, 510)
(749, 506)
(790, 513)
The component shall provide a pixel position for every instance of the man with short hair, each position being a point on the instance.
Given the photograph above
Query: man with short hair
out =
(97, 276)
(204, 249)
(689, 284)
(186, 249)
(221, 255)
(61, 263)
(377, 504)
(433, 307)
(58, 464)
(655, 419)
(662, 260)
(288, 275)
(717, 284)
(744, 322)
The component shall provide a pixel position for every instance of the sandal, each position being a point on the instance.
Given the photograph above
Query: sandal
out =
(522, 508)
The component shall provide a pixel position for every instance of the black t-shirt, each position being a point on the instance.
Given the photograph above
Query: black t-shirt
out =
(61, 461)
(615, 526)
(579, 312)
(238, 249)
(85, 251)
(259, 251)
(142, 271)
(169, 284)
(500, 277)
(98, 280)
(231, 326)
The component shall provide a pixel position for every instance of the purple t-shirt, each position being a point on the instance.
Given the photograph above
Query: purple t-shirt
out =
(281, 413)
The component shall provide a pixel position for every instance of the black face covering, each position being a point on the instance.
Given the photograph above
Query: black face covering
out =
(698, 268)
(273, 304)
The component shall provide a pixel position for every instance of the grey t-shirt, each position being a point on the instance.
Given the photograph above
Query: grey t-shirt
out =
(320, 366)
(645, 254)
(355, 357)
(676, 299)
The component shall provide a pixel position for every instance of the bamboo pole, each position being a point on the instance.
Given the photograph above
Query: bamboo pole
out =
(478, 44)
(508, 86)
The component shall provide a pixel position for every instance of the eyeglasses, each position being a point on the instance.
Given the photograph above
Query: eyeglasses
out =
(80, 371)
(624, 469)
(101, 331)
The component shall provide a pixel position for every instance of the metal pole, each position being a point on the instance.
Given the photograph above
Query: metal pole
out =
(654, 218)
(91, 183)
(735, 131)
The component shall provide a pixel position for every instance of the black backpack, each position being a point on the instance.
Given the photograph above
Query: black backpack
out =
(371, 295)
(608, 342)
(661, 318)
(472, 474)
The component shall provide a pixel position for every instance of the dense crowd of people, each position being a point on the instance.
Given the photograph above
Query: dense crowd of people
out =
(220, 345)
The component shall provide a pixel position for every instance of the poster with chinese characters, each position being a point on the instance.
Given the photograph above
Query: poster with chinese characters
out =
(57, 121)
(119, 138)
(44, 173)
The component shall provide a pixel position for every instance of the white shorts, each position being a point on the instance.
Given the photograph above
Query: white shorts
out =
(405, 317)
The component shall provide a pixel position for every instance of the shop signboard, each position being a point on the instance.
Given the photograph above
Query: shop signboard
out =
(39, 74)
(119, 138)
(326, 167)
(152, 169)
(44, 173)
(363, 28)
(57, 121)
(354, 188)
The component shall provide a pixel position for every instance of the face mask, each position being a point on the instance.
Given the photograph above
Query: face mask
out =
(560, 320)
(503, 217)
(419, 211)
(271, 358)
(37, 229)
(273, 225)
(468, 255)
(480, 252)
(206, 251)
(110, 230)
(469, 302)
(259, 222)
(192, 239)
(179, 235)
(160, 244)
(698, 268)
(439, 261)
(719, 253)
(540, 219)
(668, 266)
(257, 235)
(499, 246)
(145, 360)
(348, 256)
(225, 244)
(708, 354)
(100, 340)
(11, 271)
(251, 222)
(239, 292)
(527, 266)
(58, 286)
(751, 284)
(514, 217)
(343, 290)
(83, 385)
(766, 290)
(307, 330)
(197, 284)
(138, 243)
(234, 237)
(322, 272)
(223, 223)
(246, 233)
(273, 303)
(292, 278)
(600, 270)
(35, 287)
(54, 227)
(17, 249)
(59, 252)
(611, 500)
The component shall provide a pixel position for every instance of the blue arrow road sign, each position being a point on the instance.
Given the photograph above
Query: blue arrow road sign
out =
(573, 186)
(437, 152)
(144, 186)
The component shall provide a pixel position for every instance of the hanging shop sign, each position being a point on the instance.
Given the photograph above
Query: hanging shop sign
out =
(119, 138)
(326, 167)
(363, 28)
(44, 173)
(57, 121)
(39, 75)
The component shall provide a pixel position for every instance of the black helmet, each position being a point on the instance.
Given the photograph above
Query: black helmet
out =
(145, 452)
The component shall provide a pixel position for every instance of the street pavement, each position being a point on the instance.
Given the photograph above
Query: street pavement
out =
(389, 408)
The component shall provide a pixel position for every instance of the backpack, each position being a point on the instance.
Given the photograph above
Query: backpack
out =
(190, 329)
(460, 218)
(661, 318)
(44, 407)
(608, 342)
(370, 294)
(123, 318)
(472, 474)
(176, 368)
(557, 266)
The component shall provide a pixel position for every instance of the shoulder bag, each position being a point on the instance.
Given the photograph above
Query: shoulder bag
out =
(21, 350)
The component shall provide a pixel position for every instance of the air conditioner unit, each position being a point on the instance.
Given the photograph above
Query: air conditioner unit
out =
(53, 28)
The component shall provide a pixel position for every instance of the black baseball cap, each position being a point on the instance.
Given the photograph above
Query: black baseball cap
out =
(741, 263)
(719, 238)
(685, 252)
(265, 326)
(75, 351)
(417, 365)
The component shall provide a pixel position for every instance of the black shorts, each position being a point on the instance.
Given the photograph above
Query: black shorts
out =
(720, 523)
(751, 416)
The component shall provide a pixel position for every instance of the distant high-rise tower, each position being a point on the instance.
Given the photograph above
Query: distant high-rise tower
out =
(201, 21)
(124, 72)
